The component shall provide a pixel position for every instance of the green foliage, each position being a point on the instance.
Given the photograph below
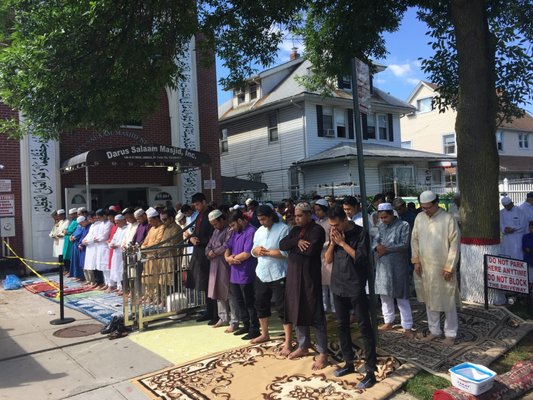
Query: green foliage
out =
(511, 30)
(424, 384)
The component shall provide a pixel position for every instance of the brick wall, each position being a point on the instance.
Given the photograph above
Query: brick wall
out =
(10, 158)
(208, 115)
(155, 129)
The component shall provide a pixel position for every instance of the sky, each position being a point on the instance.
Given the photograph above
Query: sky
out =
(405, 47)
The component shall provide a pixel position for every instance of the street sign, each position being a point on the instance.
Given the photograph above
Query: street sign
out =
(506, 274)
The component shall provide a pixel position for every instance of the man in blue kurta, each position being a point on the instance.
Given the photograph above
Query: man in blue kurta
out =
(67, 244)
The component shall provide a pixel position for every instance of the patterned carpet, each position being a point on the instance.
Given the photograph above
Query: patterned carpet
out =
(483, 336)
(259, 372)
(96, 304)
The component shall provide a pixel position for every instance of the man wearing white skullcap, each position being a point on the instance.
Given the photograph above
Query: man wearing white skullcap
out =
(143, 227)
(58, 232)
(435, 253)
(152, 268)
(77, 257)
(393, 267)
(513, 225)
(131, 228)
(115, 245)
(67, 243)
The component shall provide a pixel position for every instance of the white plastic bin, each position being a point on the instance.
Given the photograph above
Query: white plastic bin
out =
(472, 378)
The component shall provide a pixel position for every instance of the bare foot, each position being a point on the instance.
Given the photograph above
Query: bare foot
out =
(219, 324)
(320, 362)
(230, 329)
(261, 339)
(286, 349)
(299, 352)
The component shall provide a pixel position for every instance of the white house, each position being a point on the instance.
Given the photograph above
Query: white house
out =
(427, 129)
(298, 142)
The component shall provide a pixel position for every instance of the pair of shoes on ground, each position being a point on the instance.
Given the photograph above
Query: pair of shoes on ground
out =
(248, 335)
(367, 382)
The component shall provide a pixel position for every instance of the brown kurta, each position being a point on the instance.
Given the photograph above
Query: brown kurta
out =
(169, 256)
(152, 267)
(303, 287)
(219, 270)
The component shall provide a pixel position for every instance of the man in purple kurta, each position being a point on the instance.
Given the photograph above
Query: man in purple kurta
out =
(242, 275)
(142, 228)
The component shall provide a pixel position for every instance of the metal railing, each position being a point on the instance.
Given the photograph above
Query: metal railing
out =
(154, 283)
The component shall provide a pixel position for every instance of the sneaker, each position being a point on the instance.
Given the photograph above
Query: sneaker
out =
(347, 369)
(241, 331)
(367, 382)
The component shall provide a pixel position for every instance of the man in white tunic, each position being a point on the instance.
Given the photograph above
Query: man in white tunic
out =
(435, 252)
(102, 250)
(117, 263)
(513, 225)
(527, 207)
(131, 227)
(57, 233)
(90, 253)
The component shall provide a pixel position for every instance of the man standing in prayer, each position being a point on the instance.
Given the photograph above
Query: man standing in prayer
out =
(320, 208)
(404, 213)
(152, 267)
(303, 294)
(57, 233)
(242, 274)
(131, 227)
(348, 253)
(219, 270)
(142, 228)
(198, 275)
(513, 225)
(67, 243)
(78, 250)
(391, 245)
(527, 207)
(117, 263)
(102, 250)
(435, 252)
(270, 273)
(352, 208)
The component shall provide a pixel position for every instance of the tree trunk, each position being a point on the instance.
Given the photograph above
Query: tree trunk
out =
(477, 155)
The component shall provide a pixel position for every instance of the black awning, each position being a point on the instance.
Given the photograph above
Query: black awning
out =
(154, 155)
(237, 185)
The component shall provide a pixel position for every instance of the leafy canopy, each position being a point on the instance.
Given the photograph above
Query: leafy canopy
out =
(98, 63)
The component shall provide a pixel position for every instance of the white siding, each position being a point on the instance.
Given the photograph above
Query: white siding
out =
(249, 151)
(510, 144)
(316, 144)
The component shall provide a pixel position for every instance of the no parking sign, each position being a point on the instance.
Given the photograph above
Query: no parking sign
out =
(505, 273)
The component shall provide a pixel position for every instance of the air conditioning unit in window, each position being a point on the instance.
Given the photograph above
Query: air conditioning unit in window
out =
(329, 132)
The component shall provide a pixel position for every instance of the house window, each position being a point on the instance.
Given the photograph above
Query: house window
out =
(327, 122)
(383, 127)
(424, 105)
(223, 141)
(448, 144)
(273, 128)
(340, 122)
(523, 140)
(345, 82)
(499, 140)
(407, 145)
(253, 91)
(371, 126)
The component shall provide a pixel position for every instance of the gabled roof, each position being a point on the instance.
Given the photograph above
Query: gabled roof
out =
(519, 124)
(429, 85)
(289, 88)
(370, 150)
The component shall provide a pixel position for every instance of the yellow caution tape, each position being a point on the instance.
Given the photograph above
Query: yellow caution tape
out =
(33, 261)
(23, 260)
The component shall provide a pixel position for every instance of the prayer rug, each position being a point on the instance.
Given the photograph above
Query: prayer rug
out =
(260, 372)
(39, 287)
(70, 291)
(483, 336)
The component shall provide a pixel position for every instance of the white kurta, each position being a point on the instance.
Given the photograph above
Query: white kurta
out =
(130, 234)
(435, 245)
(102, 249)
(117, 264)
(58, 236)
(527, 209)
(511, 244)
(90, 252)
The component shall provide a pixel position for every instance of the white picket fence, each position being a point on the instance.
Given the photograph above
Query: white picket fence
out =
(516, 189)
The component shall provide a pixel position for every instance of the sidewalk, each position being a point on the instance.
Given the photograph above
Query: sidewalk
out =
(37, 365)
